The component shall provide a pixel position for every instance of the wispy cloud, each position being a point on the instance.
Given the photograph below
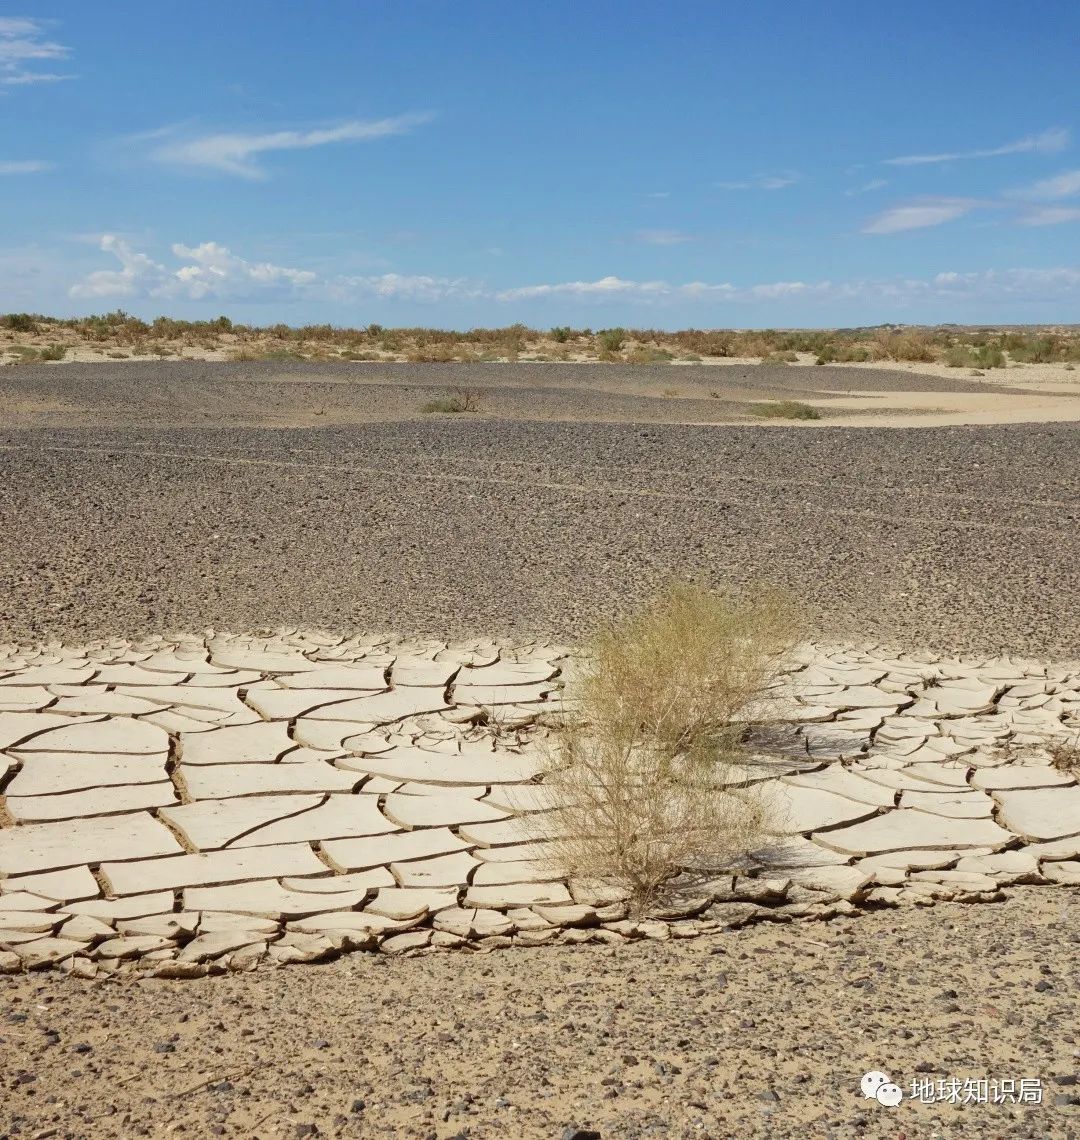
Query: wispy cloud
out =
(1049, 216)
(867, 187)
(1051, 141)
(919, 215)
(238, 154)
(23, 47)
(1061, 186)
(662, 237)
(25, 166)
(763, 182)
(603, 287)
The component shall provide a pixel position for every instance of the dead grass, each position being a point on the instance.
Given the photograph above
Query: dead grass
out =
(456, 401)
(640, 771)
(1065, 755)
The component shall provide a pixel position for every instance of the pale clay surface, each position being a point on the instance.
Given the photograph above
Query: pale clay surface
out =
(185, 806)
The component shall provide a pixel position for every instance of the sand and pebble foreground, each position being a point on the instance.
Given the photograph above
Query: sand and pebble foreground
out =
(196, 498)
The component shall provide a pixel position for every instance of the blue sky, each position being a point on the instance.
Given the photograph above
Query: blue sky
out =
(585, 163)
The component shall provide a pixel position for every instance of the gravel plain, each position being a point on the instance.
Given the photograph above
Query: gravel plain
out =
(955, 538)
(299, 393)
(761, 1032)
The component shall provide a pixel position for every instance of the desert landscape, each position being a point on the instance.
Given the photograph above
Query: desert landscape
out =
(284, 641)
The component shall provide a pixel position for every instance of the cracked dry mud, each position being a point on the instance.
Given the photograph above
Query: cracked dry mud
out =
(184, 807)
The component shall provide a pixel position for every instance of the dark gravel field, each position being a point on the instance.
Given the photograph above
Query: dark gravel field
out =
(297, 393)
(961, 538)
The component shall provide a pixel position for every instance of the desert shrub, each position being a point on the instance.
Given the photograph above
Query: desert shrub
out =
(1037, 350)
(959, 356)
(780, 358)
(20, 322)
(456, 401)
(53, 352)
(641, 775)
(560, 334)
(610, 340)
(646, 355)
(433, 354)
(989, 356)
(785, 410)
(909, 346)
(830, 352)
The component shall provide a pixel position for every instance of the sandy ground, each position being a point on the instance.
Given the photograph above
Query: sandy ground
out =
(285, 393)
(762, 1032)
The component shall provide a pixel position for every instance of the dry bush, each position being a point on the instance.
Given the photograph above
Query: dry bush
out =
(640, 772)
(456, 401)
(1065, 755)
(911, 345)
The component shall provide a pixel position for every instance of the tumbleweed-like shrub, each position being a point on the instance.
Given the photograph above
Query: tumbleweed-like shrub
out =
(644, 768)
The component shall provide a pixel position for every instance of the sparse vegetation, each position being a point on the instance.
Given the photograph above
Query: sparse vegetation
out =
(456, 401)
(610, 340)
(643, 774)
(53, 352)
(785, 410)
(20, 322)
(953, 345)
(983, 357)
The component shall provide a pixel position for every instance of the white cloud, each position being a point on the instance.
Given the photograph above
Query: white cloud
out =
(1051, 141)
(662, 237)
(1049, 216)
(25, 166)
(235, 153)
(402, 287)
(1021, 285)
(22, 47)
(604, 287)
(212, 272)
(763, 182)
(919, 215)
(1061, 186)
